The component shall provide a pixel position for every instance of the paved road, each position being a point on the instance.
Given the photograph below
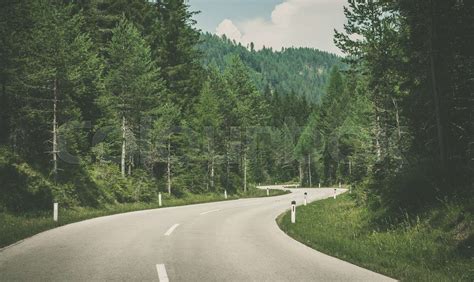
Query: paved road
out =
(224, 241)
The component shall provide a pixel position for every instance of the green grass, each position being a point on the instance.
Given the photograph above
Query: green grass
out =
(437, 247)
(15, 227)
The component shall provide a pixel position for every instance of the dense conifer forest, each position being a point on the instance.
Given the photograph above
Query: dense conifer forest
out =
(113, 101)
(290, 71)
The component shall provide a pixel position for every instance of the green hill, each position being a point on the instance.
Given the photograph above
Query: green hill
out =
(303, 71)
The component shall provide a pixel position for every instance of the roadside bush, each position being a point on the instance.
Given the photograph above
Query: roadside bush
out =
(22, 188)
(145, 189)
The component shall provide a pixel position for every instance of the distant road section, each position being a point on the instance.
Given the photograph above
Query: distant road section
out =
(222, 241)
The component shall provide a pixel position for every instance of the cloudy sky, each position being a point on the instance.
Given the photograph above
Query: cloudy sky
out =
(273, 23)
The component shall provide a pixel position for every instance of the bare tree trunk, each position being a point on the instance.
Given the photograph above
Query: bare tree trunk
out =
(309, 170)
(124, 148)
(211, 164)
(397, 119)
(300, 169)
(245, 170)
(55, 129)
(434, 85)
(350, 167)
(212, 174)
(169, 166)
(227, 165)
(212, 170)
(209, 161)
(378, 147)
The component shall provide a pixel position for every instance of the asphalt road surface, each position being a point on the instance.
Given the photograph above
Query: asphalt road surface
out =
(223, 241)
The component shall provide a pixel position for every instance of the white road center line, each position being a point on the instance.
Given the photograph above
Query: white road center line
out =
(162, 275)
(172, 228)
(209, 211)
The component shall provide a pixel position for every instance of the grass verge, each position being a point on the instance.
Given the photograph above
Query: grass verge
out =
(436, 247)
(15, 227)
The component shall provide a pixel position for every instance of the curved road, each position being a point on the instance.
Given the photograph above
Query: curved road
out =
(223, 241)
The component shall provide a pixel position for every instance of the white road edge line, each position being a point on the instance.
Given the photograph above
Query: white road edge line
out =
(209, 211)
(162, 275)
(172, 228)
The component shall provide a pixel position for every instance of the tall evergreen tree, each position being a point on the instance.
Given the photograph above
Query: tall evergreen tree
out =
(250, 107)
(208, 123)
(133, 88)
(166, 133)
(56, 74)
(173, 41)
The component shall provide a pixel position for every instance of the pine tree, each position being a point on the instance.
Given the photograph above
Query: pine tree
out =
(173, 40)
(250, 107)
(165, 137)
(208, 123)
(55, 76)
(133, 88)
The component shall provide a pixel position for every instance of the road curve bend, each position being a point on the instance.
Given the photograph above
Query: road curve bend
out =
(222, 241)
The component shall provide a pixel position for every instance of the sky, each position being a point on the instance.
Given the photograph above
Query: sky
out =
(273, 23)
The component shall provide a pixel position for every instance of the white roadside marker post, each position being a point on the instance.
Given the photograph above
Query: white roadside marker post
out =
(340, 184)
(319, 185)
(268, 192)
(335, 193)
(159, 199)
(293, 211)
(305, 200)
(225, 194)
(55, 212)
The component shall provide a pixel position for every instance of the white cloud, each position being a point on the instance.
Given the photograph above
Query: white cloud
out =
(293, 23)
(228, 28)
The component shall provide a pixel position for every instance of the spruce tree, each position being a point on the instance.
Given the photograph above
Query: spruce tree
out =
(173, 40)
(133, 88)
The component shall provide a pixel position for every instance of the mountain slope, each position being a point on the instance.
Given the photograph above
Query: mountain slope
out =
(303, 71)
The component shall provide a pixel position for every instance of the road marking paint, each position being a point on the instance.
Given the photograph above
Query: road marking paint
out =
(162, 275)
(209, 211)
(172, 228)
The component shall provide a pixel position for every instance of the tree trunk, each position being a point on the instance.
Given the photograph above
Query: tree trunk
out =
(300, 169)
(211, 165)
(227, 165)
(169, 166)
(397, 119)
(124, 153)
(378, 147)
(350, 167)
(212, 170)
(212, 175)
(436, 98)
(55, 130)
(309, 171)
(245, 170)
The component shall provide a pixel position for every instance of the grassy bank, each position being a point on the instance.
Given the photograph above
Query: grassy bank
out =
(15, 227)
(434, 247)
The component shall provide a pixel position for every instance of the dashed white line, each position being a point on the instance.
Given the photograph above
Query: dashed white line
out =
(209, 211)
(162, 275)
(172, 228)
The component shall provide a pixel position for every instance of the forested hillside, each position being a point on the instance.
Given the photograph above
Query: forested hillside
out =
(108, 102)
(302, 71)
